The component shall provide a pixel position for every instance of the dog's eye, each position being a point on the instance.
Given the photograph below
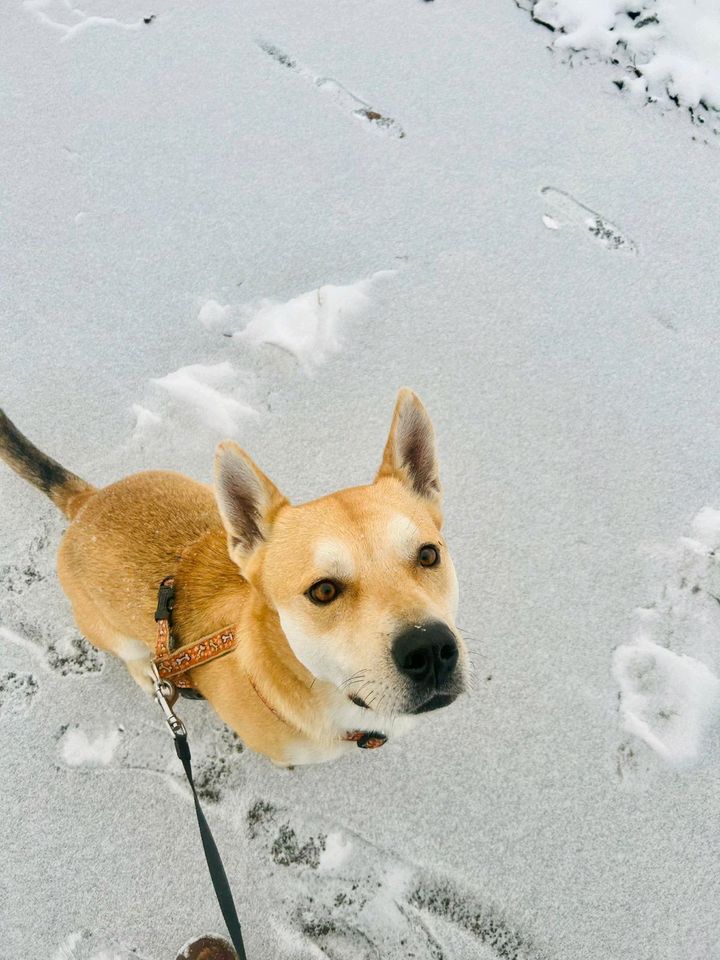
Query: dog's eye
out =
(428, 556)
(324, 591)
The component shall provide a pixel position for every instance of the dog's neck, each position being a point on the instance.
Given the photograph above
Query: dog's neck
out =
(315, 707)
(211, 594)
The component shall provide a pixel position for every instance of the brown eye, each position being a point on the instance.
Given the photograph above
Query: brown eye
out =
(428, 556)
(324, 591)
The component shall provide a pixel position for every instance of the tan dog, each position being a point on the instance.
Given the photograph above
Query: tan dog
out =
(344, 606)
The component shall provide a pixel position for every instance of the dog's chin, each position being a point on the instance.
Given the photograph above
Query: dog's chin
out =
(436, 702)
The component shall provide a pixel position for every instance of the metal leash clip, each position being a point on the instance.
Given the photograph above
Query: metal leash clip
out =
(165, 696)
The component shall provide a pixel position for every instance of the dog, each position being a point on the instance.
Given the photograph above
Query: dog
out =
(343, 608)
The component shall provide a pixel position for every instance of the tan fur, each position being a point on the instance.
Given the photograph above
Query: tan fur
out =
(124, 539)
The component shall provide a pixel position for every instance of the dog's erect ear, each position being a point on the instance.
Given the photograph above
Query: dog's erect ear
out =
(247, 499)
(410, 453)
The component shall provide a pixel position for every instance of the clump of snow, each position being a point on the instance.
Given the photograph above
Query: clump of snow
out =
(308, 325)
(706, 527)
(208, 392)
(668, 676)
(336, 851)
(79, 749)
(669, 49)
(213, 315)
(145, 419)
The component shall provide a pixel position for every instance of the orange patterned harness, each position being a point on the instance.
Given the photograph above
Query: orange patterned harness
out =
(173, 664)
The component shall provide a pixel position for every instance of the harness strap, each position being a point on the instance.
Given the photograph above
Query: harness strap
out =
(173, 663)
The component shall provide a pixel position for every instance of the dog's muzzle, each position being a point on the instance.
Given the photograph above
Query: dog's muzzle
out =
(427, 655)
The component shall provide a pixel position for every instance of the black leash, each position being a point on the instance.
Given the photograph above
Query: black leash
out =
(165, 695)
(212, 855)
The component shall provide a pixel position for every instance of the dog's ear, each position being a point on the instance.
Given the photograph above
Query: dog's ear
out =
(410, 454)
(247, 499)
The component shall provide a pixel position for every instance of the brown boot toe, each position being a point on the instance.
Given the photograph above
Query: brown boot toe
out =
(207, 948)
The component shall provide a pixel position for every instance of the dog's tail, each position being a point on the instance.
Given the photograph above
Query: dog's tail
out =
(66, 491)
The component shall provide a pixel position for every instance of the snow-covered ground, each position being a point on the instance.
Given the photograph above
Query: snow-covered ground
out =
(259, 219)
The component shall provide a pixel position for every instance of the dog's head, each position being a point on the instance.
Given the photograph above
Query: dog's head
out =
(362, 579)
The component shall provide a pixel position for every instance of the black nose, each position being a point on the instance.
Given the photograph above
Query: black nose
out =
(426, 652)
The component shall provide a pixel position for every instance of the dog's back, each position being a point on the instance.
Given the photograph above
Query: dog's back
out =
(131, 535)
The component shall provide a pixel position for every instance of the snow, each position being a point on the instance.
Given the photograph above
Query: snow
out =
(79, 749)
(308, 325)
(214, 315)
(227, 170)
(201, 389)
(668, 49)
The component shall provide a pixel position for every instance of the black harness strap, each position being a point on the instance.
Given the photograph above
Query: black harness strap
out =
(212, 855)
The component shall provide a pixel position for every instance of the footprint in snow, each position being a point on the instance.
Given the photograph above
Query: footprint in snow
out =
(17, 691)
(143, 749)
(563, 210)
(352, 900)
(33, 614)
(668, 677)
(332, 892)
(343, 97)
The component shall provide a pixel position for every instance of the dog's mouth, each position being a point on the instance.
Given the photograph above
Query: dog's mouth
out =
(435, 702)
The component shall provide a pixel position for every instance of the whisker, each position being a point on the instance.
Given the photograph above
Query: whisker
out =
(357, 692)
(355, 678)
